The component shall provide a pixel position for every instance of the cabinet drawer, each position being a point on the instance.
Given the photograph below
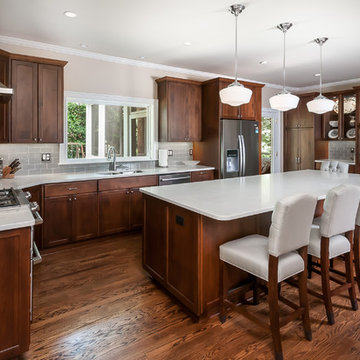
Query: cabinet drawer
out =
(128, 182)
(202, 175)
(77, 187)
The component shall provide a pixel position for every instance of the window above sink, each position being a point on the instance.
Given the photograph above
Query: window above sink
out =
(94, 122)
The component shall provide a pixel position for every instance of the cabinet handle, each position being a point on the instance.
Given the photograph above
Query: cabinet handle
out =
(69, 199)
(40, 139)
(72, 188)
(35, 139)
(74, 198)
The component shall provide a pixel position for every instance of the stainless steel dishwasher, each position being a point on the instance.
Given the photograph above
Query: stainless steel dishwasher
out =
(178, 178)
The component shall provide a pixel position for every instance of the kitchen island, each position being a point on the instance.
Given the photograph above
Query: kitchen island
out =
(185, 224)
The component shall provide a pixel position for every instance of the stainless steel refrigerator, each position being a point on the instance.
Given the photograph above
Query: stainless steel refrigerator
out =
(239, 148)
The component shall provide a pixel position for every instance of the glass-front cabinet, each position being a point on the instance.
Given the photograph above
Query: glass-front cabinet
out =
(339, 124)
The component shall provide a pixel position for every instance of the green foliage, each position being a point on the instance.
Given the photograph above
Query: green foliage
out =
(266, 137)
(76, 129)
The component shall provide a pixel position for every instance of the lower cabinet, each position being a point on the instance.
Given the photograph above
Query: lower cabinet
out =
(15, 292)
(202, 175)
(70, 212)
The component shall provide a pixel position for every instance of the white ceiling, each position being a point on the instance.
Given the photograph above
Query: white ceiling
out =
(157, 30)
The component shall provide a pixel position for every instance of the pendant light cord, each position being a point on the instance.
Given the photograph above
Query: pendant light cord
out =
(284, 74)
(320, 69)
(236, 41)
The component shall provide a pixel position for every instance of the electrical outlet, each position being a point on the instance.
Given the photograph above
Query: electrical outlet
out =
(190, 152)
(170, 153)
(45, 157)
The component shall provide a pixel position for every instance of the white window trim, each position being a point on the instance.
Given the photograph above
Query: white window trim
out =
(276, 139)
(92, 98)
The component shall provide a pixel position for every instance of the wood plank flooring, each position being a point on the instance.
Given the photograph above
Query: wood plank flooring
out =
(94, 301)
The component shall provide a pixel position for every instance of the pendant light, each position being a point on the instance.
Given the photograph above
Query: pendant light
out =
(235, 94)
(321, 104)
(284, 101)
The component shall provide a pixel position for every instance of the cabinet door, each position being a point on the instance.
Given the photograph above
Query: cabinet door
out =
(193, 113)
(24, 103)
(305, 117)
(228, 111)
(306, 153)
(291, 153)
(202, 175)
(251, 110)
(15, 292)
(57, 220)
(50, 104)
(113, 211)
(4, 107)
(136, 209)
(85, 216)
(176, 111)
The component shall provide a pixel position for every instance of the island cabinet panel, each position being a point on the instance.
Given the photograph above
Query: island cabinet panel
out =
(15, 292)
(136, 209)
(155, 238)
(202, 175)
(113, 211)
(183, 256)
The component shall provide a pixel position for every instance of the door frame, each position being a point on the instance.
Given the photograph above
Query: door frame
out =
(277, 150)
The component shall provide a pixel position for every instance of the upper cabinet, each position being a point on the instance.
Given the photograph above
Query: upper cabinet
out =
(179, 109)
(300, 117)
(339, 124)
(250, 111)
(35, 112)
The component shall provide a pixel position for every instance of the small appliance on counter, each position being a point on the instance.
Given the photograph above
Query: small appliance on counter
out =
(163, 158)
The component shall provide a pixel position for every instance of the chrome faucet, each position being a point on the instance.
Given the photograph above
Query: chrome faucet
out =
(111, 155)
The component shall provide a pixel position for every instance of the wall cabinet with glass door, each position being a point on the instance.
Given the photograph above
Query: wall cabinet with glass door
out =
(339, 124)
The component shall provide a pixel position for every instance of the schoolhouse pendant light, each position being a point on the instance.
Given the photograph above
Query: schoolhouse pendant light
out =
(321, 104)
(284, 101)
(235, 94)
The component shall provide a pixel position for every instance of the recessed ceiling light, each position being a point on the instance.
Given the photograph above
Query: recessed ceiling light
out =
(264, 62)
(317, 75)
(85, 46)
(70, 14)
(187, 43)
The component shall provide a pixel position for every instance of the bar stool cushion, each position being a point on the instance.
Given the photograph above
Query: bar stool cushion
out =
(338, 244)
(251, 254)
(334, 166)
(357, 220)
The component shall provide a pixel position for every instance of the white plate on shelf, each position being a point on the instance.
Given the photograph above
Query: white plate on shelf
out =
(349, 104)
(350, 134)
(333, 134)
(352, 122)
(334, 123)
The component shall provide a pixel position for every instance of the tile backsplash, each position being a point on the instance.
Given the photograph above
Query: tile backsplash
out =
(342, 150)
(31, 164)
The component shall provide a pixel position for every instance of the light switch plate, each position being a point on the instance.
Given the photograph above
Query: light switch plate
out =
(170, 153)
(190, 151)
(45, 157)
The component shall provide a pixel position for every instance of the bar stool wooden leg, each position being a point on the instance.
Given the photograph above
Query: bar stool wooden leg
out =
(357, 254)
(325, 279)
(309, 266)
(274, 307)
(349, 272)
(222, 293)
(255, 292)
(303, 296)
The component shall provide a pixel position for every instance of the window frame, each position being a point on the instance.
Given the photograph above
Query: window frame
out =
(103, 99)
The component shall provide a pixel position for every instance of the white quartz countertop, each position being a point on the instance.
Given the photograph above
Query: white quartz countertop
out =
(235, 198)
(16, 217)
(350, 162)
(25, 181)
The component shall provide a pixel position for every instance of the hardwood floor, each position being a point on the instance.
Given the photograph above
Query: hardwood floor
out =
(94, 301)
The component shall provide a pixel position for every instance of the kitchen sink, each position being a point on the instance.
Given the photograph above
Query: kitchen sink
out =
(119, 172)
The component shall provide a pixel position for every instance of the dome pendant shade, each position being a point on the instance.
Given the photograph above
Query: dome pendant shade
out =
(320, 105)
(284, 101)
(235, 94)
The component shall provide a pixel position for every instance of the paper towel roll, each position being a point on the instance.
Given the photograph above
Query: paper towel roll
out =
(163, 158)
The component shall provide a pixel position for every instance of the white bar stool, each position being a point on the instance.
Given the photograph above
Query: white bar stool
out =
(327, 242)
(274, 259)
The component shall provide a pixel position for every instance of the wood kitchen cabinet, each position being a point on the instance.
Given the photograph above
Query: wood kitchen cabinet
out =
(202, 175)
(179, 109)
(70, 212)
(35, 112)
(120, 203)
(15, 292)
(299, 137)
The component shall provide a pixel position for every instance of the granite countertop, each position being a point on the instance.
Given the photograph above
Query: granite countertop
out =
(25, 181)
(350, 162)
(234, 198)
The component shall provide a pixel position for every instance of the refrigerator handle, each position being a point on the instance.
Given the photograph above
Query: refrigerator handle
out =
(240, 155)
(243, 154)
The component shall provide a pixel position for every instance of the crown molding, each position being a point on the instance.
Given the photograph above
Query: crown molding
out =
(144, 64)
(120, 60)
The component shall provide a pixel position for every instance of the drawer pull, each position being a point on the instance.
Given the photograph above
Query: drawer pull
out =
(72, 188)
